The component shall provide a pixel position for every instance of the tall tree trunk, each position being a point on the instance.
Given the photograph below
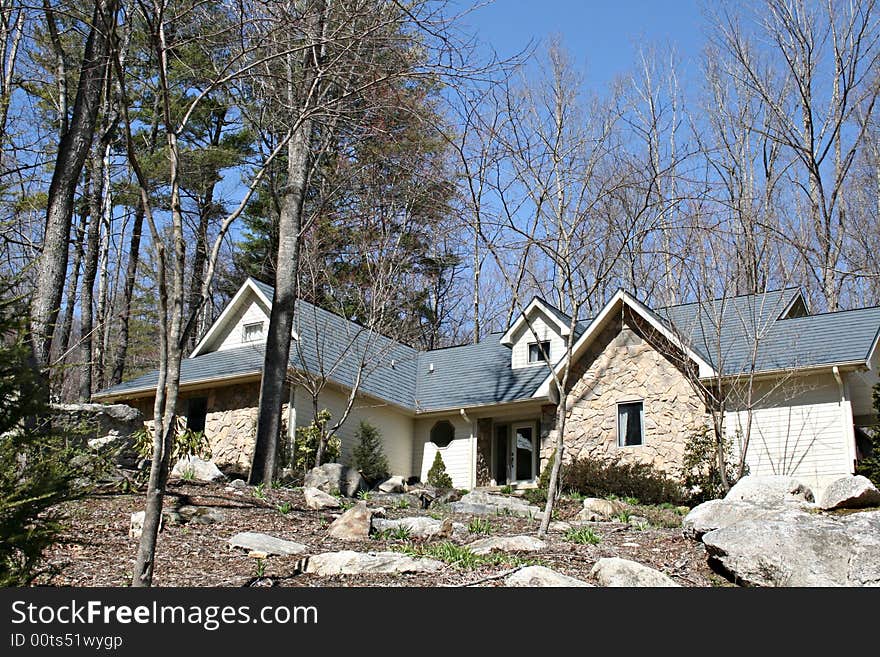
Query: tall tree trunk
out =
(99, 369)
(90, 271)
(134, 249)
(286, 268)
(73, 283)
(73, 150)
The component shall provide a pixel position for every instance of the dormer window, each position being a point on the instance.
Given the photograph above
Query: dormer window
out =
(539, 351)
(252, 332)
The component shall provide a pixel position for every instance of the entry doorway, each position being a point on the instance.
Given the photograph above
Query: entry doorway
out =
(514, 453)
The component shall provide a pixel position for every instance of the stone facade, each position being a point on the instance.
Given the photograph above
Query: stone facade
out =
(230, 423)
(620, 366)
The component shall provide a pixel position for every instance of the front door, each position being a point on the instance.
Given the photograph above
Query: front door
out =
(524, 452)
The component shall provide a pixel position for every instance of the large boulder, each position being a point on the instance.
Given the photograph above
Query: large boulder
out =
(793, 547)
(769, 490)
(368, 563)
(335, 478)
(317, 500)
(107, 428)
(266, 544)
(541, 576)
(506, 544)
(422, 527)
(613, 571)
(192, 467)
(353, 525)
(716, 514)
(488, 504)
(595, 509)
(850, 492)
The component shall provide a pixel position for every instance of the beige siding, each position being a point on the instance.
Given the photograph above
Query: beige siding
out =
(803, 428)
(252, 310)
(395, 427)
(545, 331)
(458, 456)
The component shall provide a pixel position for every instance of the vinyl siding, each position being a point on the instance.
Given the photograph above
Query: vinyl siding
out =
(251, 312)
(803, 429)
(458, 456)
(545, 331)
(395, 427)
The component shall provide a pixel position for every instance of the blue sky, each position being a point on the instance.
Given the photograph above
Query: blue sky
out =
(602, 37)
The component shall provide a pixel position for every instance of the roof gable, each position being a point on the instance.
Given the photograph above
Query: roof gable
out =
(537, 305)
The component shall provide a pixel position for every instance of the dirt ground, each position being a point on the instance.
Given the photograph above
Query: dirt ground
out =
(97, 551)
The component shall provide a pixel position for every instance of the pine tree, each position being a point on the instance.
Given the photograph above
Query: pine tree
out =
(437, 476)
(369, 457)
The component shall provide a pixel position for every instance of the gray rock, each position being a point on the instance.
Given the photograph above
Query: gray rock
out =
(792, 547)
(200, 469)
(483, 503)
(541, 576)
(506, 544)
(364, 563)
(256, 542)
(769, 491)
(397, 500)
(201, 515)
(422, 527)
(596, 509)
(393, 485)
(560, 526)
(238, 483)
(353, 525)
(335, 478)
(317, 499)
(136, 524)
(106, 428)
(615, 572)
(716, 514)
(851, 492)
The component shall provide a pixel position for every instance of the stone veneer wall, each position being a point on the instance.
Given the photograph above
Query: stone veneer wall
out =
(230, 424)
(621, 366)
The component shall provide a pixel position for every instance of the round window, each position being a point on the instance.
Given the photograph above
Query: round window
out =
(442, 433)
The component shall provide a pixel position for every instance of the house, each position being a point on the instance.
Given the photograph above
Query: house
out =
(795, 385)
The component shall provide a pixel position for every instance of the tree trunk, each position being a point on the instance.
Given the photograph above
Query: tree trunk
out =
(278, 336)
(72, 152)
(73, 283)
(134, 250)
(86, 306)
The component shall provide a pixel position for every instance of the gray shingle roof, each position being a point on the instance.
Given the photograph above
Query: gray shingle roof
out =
(722, 332)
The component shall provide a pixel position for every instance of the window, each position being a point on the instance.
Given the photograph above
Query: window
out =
(442, 433)
(252, 332)
(630, 424)
(539, 351)
(196, 412)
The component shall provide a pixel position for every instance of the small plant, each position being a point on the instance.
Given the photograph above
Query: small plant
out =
(437, 476)
(345, 503)
(306, 441)
(261, 568)
(188, 475)
(284, 508)
(536, 496)
(641, 525)
(368, 456)
(583, 536)
(623, 516)
(364, 495)
(400, 533)
(507, 490)
(633, 501)
(402, 503)
(480, 526)
(260, 491)
(460, 556)
(575, 496)
(186, 442)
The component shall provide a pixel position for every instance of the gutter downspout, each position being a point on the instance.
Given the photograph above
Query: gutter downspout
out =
(848, 427)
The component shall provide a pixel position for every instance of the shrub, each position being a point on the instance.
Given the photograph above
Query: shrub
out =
(702, 476)
(306, 440)
(536, 496)
(38, 468)
(594, 478)
(368, 455)
(437, 476)
(186, 442)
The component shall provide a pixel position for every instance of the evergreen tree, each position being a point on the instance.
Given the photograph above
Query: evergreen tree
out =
(369, 457)
(437, 476)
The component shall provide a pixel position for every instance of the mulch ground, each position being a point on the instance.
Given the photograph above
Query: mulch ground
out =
(96, 550)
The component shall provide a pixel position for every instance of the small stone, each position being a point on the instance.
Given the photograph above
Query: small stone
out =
(506, 544)
(541, 576)
(257, 554)
(256, 542)
(393, 485)
(197, 469)
(617, 572)
(353, 525)
(348, 562)
(316, 499)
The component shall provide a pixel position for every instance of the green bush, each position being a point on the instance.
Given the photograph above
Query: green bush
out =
(702, 476)
(536, 496)
(306, 440)
(38, 468)
(368, 455)
(186, 442)
(593, 478)
(437, 476)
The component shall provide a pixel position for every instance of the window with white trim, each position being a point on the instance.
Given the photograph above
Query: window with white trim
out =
(252, 332)
(539, 351)
(630, 424)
